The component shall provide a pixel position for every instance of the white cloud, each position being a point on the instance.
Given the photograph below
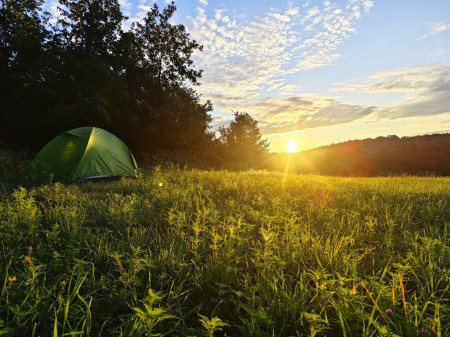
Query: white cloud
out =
(203, 2)
(367, 6)
(125, 7)
(280, 17)
(280, 115)
(405, 79)
(52, 8)
(242, 56)
(218, 14)
(334, 25)
(310, 14)
(289, 89)
(144, 6)
(434, 28)
(219, 119)
(427, 89)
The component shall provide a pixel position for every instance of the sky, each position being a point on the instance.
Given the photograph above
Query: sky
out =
(321, 72)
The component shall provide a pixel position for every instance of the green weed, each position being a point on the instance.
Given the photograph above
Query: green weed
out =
(215, 253)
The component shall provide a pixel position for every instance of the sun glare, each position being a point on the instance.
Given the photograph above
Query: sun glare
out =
(291, 146)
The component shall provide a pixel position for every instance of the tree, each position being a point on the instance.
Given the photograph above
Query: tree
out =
(91, 27)
(86, 75)
(242, 142)
(168, 113)
(167, 47)
(23, 63)
(86, 70)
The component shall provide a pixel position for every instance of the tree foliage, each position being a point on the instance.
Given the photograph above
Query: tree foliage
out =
(167, 47)
(81, 68)
(242, 142)
(23, 66)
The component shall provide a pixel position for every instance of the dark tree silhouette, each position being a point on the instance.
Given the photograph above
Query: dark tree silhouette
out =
(23, 68)
(85, 70)
(418, 155)
(242, 142)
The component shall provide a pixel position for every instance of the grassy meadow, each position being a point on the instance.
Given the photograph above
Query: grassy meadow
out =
(216, 253)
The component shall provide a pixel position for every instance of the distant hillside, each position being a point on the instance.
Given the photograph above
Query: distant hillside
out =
(419, 155)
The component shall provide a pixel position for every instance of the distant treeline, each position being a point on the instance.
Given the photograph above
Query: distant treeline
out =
(419, 155)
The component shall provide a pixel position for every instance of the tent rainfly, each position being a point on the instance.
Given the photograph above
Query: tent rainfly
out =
(85, 153)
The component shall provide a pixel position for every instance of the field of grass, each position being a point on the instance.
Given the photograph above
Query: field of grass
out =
(198, 253)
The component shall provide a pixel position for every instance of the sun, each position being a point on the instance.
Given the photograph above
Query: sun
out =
(291, 146)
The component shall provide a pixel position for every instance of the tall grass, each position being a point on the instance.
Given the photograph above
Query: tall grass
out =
(209, 253)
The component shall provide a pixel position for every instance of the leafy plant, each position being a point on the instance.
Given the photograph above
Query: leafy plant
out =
(211, 325)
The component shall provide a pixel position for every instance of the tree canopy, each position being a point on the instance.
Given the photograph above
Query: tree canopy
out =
(83, 69)
(242, 142)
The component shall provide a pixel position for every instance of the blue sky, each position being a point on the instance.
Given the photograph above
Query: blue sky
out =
(322, 72)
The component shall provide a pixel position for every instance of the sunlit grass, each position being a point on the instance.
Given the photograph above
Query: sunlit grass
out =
(197, 253)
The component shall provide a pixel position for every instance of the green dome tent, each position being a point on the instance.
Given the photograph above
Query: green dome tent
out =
(85, 153)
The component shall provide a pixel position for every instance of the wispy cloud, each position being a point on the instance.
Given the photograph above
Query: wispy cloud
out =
(417, 79)
(243, 55)
(332, 25)
(434, 28)
(427, 89)
(281, 115)
(126, 7)
(238, 58)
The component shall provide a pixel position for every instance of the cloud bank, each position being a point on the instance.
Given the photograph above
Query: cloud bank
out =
(427, 91)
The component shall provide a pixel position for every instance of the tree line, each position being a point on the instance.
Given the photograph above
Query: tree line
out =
(382, 156)
(83, 69)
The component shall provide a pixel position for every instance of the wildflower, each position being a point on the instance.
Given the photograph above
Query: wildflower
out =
(12, 279)
(160, 184)
(389, 312)
(28, 262)
(438, 217)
